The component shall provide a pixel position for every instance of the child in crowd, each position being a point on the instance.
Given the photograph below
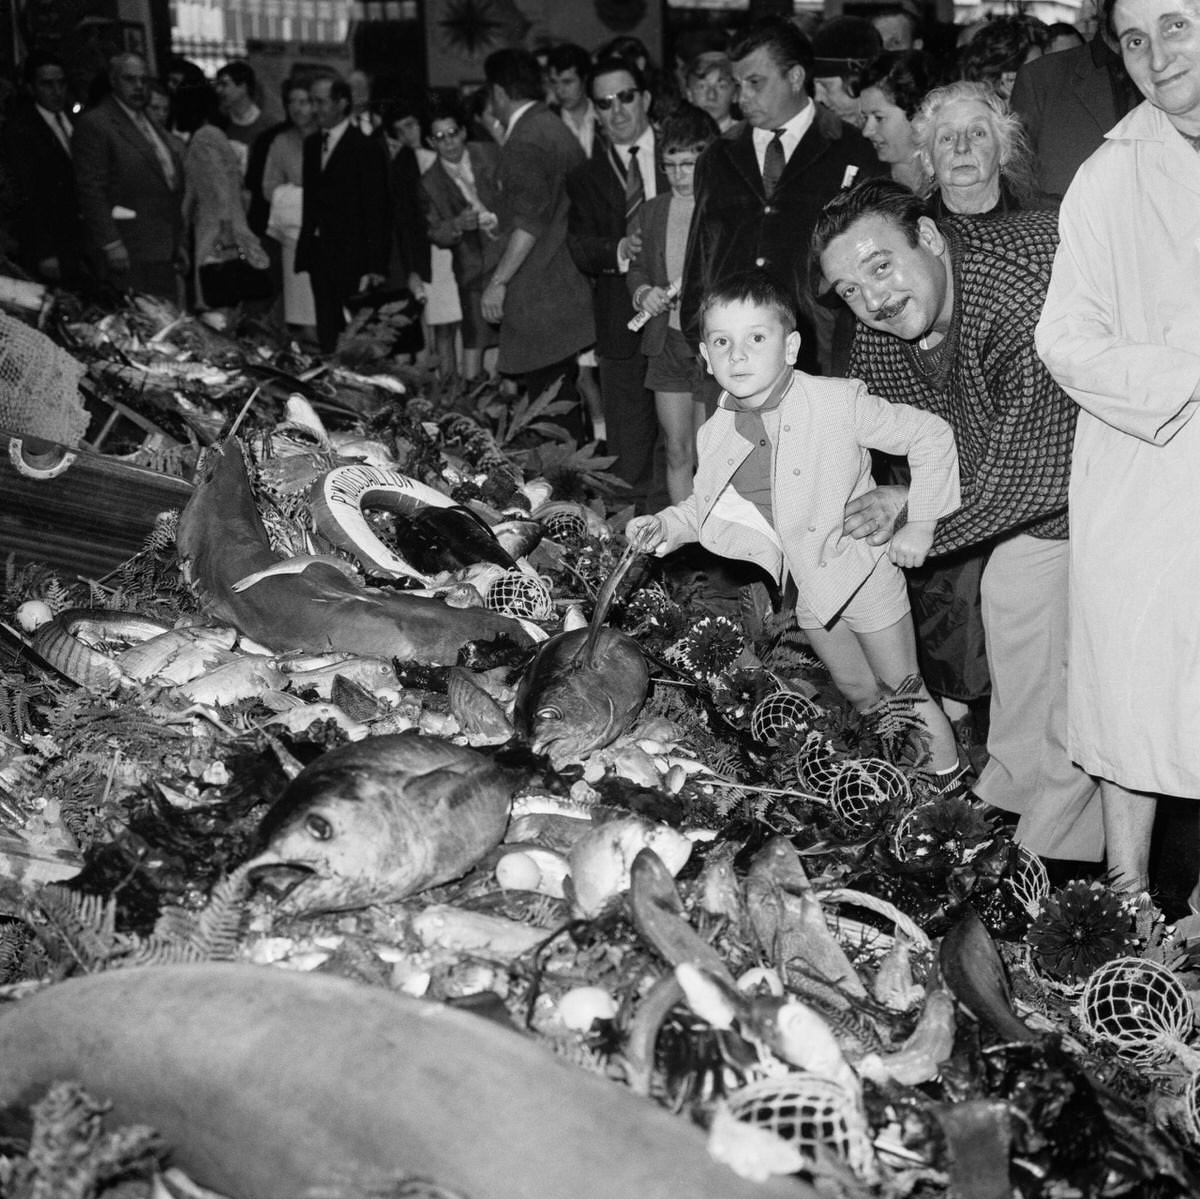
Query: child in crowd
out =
(779, 460)
(671, 367)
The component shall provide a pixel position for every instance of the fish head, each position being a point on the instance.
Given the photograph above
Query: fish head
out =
(568, 707)
(325, 847)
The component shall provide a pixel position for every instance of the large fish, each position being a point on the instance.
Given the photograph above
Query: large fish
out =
(584, 688)
(383, 818)
(270, 1084)
(222, 541)
(975, 974)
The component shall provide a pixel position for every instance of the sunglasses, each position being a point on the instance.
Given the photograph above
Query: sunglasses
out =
(626, 95)
(445, 135)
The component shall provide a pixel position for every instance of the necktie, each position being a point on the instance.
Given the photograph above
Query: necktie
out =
(64, 134)
(160, 151)
(324, 147)
(773, 162)
(635, 185)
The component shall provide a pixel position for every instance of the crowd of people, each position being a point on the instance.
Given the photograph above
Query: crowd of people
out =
(791, 246)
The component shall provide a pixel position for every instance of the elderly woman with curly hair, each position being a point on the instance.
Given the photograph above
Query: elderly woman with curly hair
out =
(974, 150)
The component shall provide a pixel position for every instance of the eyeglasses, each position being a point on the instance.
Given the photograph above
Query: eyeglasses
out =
(445, 135)
(626, 95)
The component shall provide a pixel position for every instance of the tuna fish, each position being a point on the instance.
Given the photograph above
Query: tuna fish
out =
(584, 688)
(382, 819)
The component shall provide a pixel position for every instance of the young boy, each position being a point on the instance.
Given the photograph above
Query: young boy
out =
(672, 370)
(778, 462)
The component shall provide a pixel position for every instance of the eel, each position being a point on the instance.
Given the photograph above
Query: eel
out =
(269, 1084)
(222, 541)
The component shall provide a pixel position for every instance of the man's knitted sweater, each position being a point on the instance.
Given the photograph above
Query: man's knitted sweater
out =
(1013, 424)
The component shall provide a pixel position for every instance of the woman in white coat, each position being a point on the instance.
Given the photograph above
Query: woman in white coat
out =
(1121, 333)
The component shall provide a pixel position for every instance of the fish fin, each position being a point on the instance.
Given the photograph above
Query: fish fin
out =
(445, 786)
(587, 654)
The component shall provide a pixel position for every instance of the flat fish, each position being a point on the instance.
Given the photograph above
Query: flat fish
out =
(271, 1084)
(384, 818)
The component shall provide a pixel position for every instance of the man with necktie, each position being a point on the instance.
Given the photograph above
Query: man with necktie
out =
(37, 147)
(761, 186)
(607, 192)
(344, 231)
(129, 182)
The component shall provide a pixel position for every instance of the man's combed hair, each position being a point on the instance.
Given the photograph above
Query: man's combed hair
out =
(610, 66)
(750, 287)
(516, 71)
(787, 45)
(872, 197)
(567, 56)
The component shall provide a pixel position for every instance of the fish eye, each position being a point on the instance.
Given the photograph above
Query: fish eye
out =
(549, 713)
(318, 827)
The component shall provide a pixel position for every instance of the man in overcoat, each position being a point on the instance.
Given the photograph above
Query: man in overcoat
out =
(129, 181)
(604, 237)
(760, 187)
(536, 295)
(344, 231)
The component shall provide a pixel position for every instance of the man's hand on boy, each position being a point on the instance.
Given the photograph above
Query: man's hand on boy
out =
(910, 545)
(655, 301)
(646, 534)
(876, 515)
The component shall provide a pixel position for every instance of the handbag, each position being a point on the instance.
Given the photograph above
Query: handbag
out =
(232, 280)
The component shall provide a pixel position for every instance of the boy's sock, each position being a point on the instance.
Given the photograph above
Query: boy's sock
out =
(951, 783)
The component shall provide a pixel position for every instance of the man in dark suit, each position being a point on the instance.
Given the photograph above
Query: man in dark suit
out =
(761, 186)
(37, 146)
(604, 237)
(344, 232)
(536, 294)
(1067, 102)
(129, 181)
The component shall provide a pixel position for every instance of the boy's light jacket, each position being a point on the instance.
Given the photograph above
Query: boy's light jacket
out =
(821, 462)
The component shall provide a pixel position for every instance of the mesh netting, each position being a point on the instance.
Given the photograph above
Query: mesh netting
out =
(862, 785)
(782, 713)
(1030, 882)
(813, 1114)
(818, 765)
(515, 593)
(39, 386)
(1137, 1005)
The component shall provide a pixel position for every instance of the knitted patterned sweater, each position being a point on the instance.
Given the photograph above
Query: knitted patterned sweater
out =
(1013, 424)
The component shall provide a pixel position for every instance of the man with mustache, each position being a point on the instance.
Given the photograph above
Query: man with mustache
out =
(945, 322)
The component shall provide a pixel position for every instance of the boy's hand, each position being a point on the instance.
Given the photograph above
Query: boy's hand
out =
(647, 535)
(910, 546)
(655, 301)
(875, 514)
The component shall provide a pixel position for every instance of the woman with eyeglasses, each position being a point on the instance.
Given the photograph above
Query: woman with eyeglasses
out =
(458, 199)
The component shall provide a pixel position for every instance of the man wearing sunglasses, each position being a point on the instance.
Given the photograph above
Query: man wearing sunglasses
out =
(606, 194)
(760, 187)
(536, 294)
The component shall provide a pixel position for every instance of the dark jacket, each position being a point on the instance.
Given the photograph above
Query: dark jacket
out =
(116, 167)
(475, 252)
(736, 228)
(1068, 102)
(596, 224)
(547, 305)
(345, 222)
(47, 223)
(650, 268)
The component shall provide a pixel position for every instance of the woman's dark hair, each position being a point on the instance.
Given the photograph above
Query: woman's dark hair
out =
(293, 83)
(906, 77)
(196, 104)
(687, 128)
(1001, 46)
(1057, 29)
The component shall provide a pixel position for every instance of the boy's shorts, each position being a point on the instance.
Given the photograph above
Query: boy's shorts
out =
(677, 368)
(880, 601)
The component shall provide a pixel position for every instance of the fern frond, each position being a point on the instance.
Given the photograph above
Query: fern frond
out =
(77, 928)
